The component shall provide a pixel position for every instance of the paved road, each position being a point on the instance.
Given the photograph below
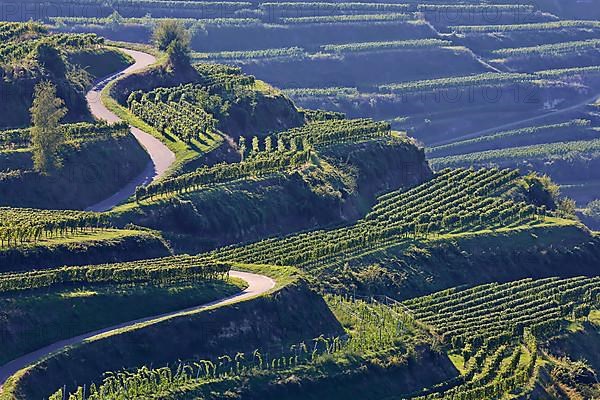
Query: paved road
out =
(160, 155)
(257, 284)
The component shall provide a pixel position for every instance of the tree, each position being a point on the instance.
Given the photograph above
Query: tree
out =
(567, 207)
(46, 135)
(592, 210)
(171, 37)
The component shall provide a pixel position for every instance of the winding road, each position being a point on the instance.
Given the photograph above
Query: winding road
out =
(257, 285)
(161, 157)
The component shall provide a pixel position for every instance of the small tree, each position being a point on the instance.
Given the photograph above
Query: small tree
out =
(46, 135)
(268, 144)
(171, 37)
(255, 145)
(567, 208)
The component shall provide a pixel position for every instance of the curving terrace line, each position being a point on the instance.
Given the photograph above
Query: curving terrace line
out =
(160, 155)
(257, 285)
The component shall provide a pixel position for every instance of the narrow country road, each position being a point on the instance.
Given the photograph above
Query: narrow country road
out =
(160, 155)
(257, 285)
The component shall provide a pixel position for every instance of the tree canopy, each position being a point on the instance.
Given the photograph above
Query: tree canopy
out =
(171, 37)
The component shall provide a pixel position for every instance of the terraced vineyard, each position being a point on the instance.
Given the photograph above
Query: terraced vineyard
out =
(181, 268)
(179, 112)
(373, 327)
(355, 200)
(496, 328)
(18, 226)
(459, 200)
(556, 151)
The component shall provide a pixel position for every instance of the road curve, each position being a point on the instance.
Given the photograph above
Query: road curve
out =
(160, 155)
(257, 285)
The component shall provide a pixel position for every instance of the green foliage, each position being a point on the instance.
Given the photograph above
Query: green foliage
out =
(349, 18)
(523, 136)
(159, 270)
(47, 137)
(548, 151)
(188, 112)
(337, 131)
(542, 26)
(172, 37)
(566, 208)
(593, 210)
(261, 164)
(453, 201)
(486, 79)
(44, 47)
(391, 45)
(20, 225)
(82, 131)
(333, 7)
(568, 72)
(372, 327)
(496, 327)
(321, 115)
(537, 189)
(478, 8)
(555, 49)
(286, 52)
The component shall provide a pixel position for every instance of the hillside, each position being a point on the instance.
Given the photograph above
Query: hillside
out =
(439, 71)
(30, 54)
(300, 200)
(97, 159)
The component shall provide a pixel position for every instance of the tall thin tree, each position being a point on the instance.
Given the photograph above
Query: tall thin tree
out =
(46, 134)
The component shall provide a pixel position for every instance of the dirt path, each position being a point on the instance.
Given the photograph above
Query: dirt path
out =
(257, 284)
(160, 155)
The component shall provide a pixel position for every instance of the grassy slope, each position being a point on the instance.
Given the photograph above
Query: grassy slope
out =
(84, 248)
(553, 248)
(91, 172)
(34, 319)
(16, 113)
(100, 62)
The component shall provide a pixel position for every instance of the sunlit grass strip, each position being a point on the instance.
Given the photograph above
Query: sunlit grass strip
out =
(396, 44)
(541, 151)
(327, 19)
(550, 49)
(540, 26)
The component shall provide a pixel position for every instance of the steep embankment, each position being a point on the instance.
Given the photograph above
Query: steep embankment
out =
(287, 315)
(125, 246)
(503, 255)
(93, 168)
(337, 187)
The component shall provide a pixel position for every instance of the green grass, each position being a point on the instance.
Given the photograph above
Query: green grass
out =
(37, 318)
(458, 361)
(80, 237)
